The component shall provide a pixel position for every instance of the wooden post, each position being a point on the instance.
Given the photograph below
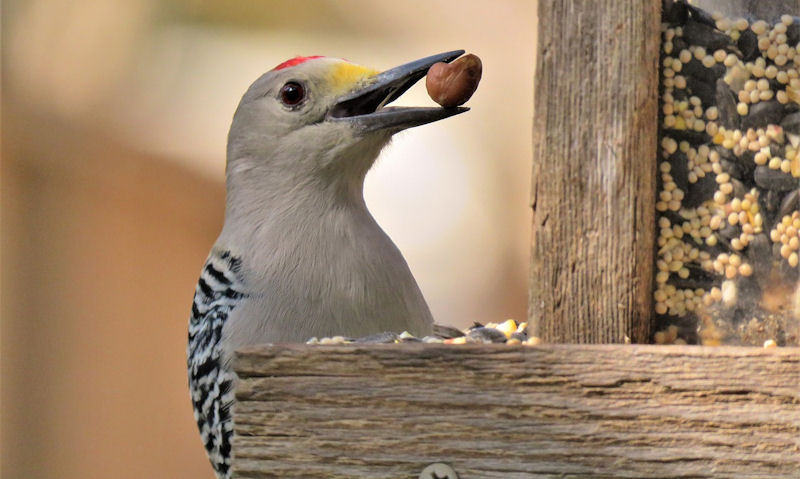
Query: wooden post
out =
(498, 411)
(594, 170)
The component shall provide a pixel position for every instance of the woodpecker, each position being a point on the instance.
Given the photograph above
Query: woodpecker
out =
(299, 254)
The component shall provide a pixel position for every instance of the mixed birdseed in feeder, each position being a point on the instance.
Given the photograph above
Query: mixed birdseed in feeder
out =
(728, 204)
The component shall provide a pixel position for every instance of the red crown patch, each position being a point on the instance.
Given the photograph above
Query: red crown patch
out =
(295, 61)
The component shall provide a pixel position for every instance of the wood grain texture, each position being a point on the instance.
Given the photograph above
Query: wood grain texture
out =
(497, 411)
(594, 170)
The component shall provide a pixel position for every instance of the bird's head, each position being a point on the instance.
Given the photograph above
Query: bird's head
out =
(320, 117)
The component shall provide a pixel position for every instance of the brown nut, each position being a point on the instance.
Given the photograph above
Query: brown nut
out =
(452, 84)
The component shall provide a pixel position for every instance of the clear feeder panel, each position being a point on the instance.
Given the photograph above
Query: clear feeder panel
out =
(728, 205)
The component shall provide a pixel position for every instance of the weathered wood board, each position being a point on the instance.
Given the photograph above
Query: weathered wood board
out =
(497, 411)
(594, 171)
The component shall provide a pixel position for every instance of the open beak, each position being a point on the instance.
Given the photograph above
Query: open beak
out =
(366, 107)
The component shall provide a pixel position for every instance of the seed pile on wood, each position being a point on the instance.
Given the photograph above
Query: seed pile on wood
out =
(508, 332)
(728, 205)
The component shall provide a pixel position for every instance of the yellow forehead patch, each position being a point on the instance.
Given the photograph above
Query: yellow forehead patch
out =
(344, 76)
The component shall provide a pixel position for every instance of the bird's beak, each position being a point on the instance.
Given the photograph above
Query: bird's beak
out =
(365, 107)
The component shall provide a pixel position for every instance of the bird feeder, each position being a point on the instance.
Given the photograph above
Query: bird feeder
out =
(564, 410)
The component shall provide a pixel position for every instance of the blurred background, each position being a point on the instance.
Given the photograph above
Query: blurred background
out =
(114, 120)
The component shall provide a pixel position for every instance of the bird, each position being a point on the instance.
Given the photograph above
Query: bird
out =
(299, 254)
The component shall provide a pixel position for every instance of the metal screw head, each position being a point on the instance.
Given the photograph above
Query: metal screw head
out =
(438, 470)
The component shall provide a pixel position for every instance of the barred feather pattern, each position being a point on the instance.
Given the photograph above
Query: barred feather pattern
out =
(211, 382)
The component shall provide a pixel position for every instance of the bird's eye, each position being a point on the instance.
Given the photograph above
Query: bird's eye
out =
(292, 93)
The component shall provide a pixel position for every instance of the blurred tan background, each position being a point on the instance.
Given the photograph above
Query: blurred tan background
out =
(114, 119)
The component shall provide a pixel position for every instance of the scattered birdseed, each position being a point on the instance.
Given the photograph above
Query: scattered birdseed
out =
(509, 332)
(728, 203)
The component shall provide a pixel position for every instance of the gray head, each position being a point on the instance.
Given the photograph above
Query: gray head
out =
(321, 120)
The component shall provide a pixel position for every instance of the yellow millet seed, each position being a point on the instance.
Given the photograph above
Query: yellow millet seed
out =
(771, 72)
(745, 269)
(772, 51)
(730, 271)
(660, 295)
(741, 24)
(759, 27)
(744, 95)
(699, 53)
(741, 108)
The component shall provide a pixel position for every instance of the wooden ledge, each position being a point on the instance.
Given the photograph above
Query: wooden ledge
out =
(497, 411)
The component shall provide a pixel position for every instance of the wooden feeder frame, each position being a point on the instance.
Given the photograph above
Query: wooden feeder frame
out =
(557, 410)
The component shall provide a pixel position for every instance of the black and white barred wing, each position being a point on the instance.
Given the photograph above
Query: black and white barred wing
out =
(219, 290)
